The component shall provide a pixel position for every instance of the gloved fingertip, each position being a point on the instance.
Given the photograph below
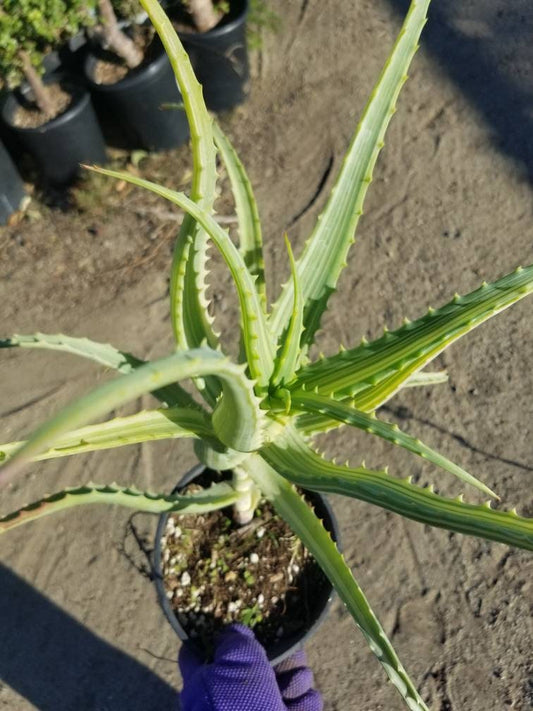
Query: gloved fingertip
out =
(296, 660)
(294, 683)
(237, 645)
(310, 701)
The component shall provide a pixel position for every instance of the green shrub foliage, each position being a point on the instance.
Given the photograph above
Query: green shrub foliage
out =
(36, 27)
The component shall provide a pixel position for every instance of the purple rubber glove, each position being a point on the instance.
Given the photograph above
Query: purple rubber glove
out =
(240, 678)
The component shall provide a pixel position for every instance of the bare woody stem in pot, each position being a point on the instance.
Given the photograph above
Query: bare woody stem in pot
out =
(40, 92)
(204, 14)
(115, 39)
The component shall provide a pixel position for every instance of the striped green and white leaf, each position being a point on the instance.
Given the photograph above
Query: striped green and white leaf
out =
(237, 419)
(250, 233)
(332, 409)
(298, 463)
(308, 527)
(311, 425)
(102, 353)
(147, 426)
(256, 335)
(289, 350)
(188, 302)
(216, 497)
(373, 372)
(326, 251)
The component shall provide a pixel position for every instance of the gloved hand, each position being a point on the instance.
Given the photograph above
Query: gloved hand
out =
(240, 678)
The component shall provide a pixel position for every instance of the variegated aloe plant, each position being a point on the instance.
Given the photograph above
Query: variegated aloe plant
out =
(260, 415)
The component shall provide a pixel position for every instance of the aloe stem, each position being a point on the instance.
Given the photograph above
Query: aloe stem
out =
(243, 508)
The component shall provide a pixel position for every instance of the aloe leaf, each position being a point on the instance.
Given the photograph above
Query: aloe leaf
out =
(237, 419)
(326, 251)
(300, 465)
(343, 412)
(188, 302)
(310, 425)
(287, 359)
(309, 528)
(102, 353)
(149, 425)
(250, 237)
(373, 372)
(257, 340)
(216, 497)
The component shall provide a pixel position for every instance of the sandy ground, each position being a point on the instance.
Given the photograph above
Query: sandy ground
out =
(451, 206)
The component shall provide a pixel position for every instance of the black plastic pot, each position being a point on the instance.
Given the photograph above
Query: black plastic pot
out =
(283, 648)
(11, 186)
(134, 103)
(60, 145)
(220, 58)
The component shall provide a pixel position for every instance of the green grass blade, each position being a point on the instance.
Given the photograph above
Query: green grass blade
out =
(217, 497)
(250, 237)
(102, 353)
(256, 336)
(237, 419)
(373, 372)
(299, 464)
(287, 358)
(309, 528)
(149, 425)
(343, 412)
(189, 316)
(325, 253)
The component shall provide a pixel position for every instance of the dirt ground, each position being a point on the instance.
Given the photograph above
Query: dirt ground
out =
(450, 206)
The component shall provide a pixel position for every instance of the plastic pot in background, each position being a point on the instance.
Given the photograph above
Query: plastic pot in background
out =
(60, 145)
(284, 647)
(220, 58)
(135, 103)
(11, 186)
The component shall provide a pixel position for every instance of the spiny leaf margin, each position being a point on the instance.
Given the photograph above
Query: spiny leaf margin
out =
(326, 251)
(372, 372)
(256, 335)
(293, 459)
(238, 392)
(217, 497)
(327, 406)
(309, 528)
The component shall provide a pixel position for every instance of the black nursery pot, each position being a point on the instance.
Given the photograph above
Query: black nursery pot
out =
(11, 186)
(134, 104)
(322, 600)
(60, 145)
(220, 58)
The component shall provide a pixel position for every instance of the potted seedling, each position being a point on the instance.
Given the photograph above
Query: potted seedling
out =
(52, 115)
(260, 413)
(131, 79)
(214, 35)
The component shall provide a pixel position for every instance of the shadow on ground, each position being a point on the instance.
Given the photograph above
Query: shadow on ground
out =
(486, 48)
(56, 663)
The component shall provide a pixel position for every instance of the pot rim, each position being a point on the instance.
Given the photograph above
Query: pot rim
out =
(80, 99)
(299, 640)
(131, 81)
